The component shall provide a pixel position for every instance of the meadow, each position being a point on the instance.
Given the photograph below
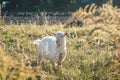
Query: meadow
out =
(93, 50)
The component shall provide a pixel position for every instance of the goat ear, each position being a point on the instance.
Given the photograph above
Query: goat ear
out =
(54, 34)
(65, 34)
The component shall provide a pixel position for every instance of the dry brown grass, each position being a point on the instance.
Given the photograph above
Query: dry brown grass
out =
(92, 14)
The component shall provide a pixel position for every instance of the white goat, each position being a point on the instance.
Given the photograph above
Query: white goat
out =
(52, 48)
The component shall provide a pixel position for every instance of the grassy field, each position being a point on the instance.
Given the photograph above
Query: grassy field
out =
(93, 55)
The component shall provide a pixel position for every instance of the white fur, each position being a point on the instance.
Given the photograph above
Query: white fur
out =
(52, 48)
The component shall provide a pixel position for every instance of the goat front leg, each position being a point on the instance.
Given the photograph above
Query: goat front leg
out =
(53, 64)
(60, 60)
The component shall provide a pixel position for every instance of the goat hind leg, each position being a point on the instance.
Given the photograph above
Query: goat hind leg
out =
(39, 58)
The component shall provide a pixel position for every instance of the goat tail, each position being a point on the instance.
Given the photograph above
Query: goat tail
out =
(36, 41)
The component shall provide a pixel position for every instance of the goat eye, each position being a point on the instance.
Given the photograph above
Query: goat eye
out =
(62, 36)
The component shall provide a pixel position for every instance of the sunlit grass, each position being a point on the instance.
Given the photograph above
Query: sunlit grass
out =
(93, 54)
(86, 59)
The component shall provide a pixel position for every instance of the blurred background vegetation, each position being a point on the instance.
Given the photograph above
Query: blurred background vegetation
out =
(50, 5)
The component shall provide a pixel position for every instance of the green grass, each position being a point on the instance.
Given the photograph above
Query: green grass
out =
(87, 58)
